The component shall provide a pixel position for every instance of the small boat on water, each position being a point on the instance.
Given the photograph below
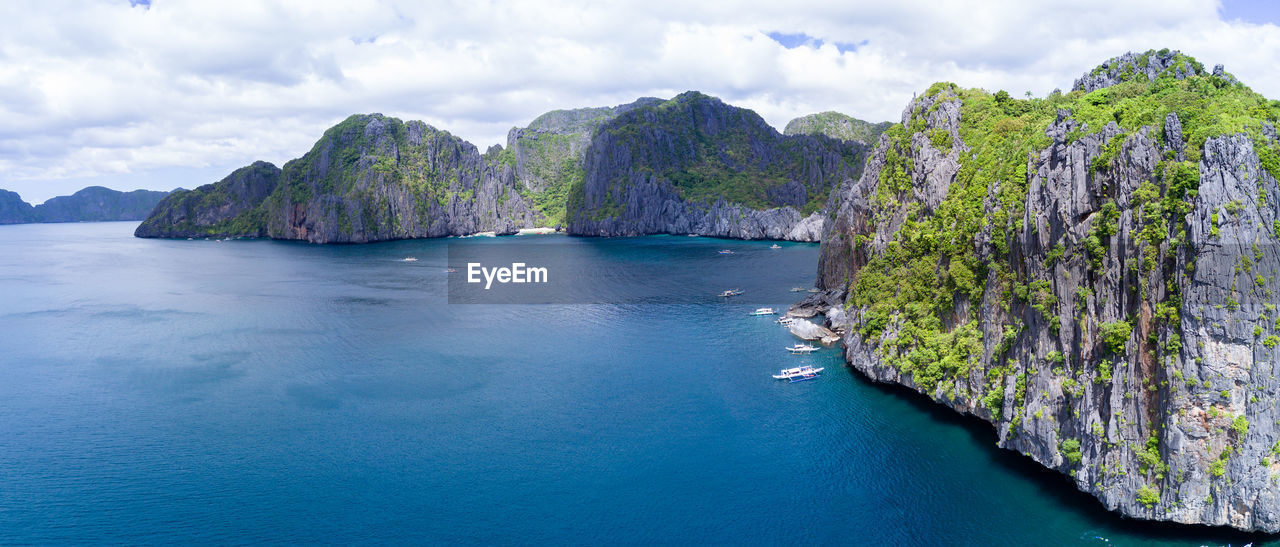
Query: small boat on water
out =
(802, 348)
(731, 292)
(725, 252)
(797, 289)
(814, 290)
(799, 374)
(763, 311)
(451, 270)
(785, 320)
(408, 259)
(775, 246)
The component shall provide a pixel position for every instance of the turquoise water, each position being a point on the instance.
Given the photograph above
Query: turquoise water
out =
(258, 391)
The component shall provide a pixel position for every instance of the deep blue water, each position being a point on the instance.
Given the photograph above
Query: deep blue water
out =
(259, 391)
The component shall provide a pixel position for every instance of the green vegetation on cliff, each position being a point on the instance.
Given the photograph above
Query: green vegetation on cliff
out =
(710, 151)
(837, 126)
(908, 290)
(230, 207)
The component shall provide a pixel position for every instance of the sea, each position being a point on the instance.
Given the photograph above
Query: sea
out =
(256, 391)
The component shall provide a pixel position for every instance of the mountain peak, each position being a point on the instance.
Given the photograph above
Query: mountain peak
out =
(1148, 65)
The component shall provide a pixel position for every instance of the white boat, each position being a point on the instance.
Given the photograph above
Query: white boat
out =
(814, 290)
(731, 292)
(775, 246)
(763, 311)
(785, 320)
(408, 259)
(799, 374)
(725, 252)
(797, 289)
(802, 348)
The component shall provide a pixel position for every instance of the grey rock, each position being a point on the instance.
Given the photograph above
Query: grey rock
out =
(836, 319)
(816, 303)
(1149, 64)
(1173, 136)
(808, 330)
(1213, 365)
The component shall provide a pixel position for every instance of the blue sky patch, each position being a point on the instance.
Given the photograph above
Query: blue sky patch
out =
(792, 41)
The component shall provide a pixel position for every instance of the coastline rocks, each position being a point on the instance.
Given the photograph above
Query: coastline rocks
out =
(816, 303)
(807, 330)
(670, 215)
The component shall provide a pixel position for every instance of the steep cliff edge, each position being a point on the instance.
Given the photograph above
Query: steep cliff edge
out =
(696, 165)
(547, 154)
(230, 207)
(1093, 273)
(369, 178)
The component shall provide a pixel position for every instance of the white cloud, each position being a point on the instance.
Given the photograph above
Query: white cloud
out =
(129, 95)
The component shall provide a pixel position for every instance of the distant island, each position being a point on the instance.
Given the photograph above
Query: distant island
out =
(688, 165)
(92, 204)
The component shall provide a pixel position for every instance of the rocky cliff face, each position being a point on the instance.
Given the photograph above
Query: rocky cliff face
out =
(1092, 273)
(12, 209)
(837, 126)
(374, 178)
(696, 165)
(230, 207)
(547, 155)
(370, 178)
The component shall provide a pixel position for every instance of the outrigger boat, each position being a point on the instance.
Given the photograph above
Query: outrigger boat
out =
(763, 311)
(802, 348)
(798, 374)
(785, 320)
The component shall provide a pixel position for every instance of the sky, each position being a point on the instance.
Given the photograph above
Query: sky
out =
(178, 93)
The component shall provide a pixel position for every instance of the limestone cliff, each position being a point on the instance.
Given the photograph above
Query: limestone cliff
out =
(696, 165)
(369, 178)
(1094, 273)
(547, 154)
(230, 207)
